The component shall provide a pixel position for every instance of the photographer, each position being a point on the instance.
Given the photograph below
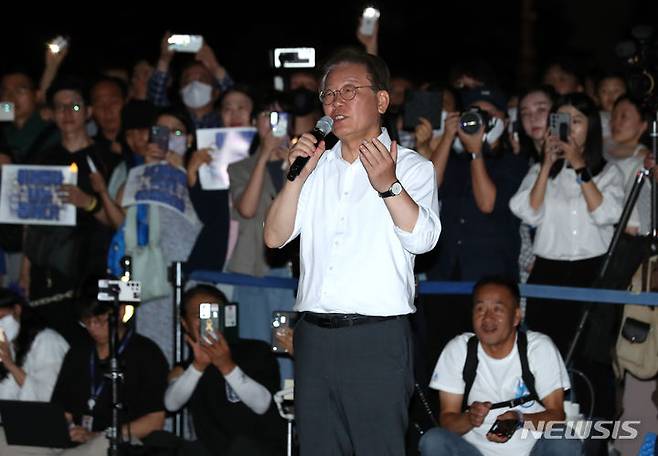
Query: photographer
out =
(228, 387)
(573, 198)
(85, 393)
(497, 364)
(201, 83)
(477, 177)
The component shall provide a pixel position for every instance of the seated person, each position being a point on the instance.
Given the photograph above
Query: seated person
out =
(85, 393)
(30, 356)
(504, 364)
(227, 387)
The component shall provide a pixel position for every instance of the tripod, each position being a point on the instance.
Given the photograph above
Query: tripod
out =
(641, 176)
(115, 375)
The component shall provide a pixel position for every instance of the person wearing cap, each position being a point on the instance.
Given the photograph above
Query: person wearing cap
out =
(477, 174)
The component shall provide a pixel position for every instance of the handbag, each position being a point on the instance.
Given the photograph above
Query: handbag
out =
(148, 265)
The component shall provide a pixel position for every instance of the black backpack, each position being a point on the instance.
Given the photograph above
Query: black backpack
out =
(471, 365)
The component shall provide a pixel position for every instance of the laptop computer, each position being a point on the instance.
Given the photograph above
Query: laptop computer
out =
(40, 424)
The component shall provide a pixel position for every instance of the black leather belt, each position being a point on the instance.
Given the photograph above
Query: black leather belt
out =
(344, 320)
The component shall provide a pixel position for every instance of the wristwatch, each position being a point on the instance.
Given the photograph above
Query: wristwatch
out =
(394, 190)
(583, 175)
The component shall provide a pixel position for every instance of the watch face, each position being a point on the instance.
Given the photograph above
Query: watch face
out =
(396, 188)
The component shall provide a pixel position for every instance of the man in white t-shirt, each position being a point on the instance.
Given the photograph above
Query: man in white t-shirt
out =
(498, 377)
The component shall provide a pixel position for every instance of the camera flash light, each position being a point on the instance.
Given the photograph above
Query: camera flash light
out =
(371, 13)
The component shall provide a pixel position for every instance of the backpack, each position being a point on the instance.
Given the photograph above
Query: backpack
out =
(471, 365)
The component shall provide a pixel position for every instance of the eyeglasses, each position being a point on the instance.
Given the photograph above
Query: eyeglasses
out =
(75, 107)
(347, 93)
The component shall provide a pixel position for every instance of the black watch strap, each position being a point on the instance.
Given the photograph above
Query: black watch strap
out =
(583, 175)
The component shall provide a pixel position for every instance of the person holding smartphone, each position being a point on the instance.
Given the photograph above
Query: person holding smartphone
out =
(227, 386)
(476, 417)
(573, 198)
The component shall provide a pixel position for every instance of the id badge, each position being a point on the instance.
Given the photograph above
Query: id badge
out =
(88, 422)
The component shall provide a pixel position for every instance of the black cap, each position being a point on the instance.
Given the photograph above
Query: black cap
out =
(492, 96)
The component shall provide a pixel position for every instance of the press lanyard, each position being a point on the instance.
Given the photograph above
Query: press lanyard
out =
(97, 390)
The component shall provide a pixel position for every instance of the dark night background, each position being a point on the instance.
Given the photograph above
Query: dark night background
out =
(415, 39)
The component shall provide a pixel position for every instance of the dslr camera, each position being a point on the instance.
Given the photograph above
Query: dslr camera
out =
(472, 119)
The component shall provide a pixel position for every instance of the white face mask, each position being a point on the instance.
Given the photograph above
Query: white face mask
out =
(196, 94)
(496, 131)
(178, 144)
(10, 327)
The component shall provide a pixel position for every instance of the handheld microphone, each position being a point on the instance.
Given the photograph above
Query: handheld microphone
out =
(321, 129)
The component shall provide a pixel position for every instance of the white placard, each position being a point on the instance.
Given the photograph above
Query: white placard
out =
(30, 195)
(161, 184)
(227, 145)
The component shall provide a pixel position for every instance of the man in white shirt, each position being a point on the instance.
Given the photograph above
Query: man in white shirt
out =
(500, 352)
(364, 210)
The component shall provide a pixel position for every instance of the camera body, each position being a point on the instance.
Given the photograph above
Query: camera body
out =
(126, 291)
(282, 320)
(58, 44)
(473, 118)
(218, 318)
(369, 18)
(559, 124)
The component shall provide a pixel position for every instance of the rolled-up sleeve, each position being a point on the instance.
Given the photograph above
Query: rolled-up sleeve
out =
(519, 204)
(420, 183)
(611, 186)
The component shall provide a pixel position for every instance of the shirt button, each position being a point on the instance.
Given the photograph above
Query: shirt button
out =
(462, 221)
(575, 232)
(574, 212)
(459, 242)
(346, 193)
(331, 268)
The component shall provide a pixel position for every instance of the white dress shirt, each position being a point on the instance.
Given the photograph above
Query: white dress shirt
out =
(566, 230)
(41, 366)
(353, 258)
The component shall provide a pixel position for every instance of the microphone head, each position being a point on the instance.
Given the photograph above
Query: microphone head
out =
(325, 124)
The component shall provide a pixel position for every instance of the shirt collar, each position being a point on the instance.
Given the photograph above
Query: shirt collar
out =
(335, 152)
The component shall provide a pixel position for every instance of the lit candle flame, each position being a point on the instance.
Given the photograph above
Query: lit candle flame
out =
(129, 312)
(73, 168)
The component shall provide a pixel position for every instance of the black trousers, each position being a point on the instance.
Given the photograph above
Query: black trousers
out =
(559, 320)
(352, 388)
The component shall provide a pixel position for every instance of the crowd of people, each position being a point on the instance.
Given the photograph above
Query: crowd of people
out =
(377, 208)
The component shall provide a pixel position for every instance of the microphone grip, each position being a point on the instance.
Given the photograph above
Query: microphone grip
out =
(300, 162)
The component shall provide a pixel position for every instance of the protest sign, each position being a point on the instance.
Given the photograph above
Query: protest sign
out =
(31, 195)
(227, 145)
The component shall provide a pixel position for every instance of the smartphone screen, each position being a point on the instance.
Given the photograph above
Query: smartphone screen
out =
(417, 104)
(160, 135)
(279, 121)
(7, 112)
(504, 428)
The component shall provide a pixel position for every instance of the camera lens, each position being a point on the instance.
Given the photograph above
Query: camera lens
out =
(470, 122)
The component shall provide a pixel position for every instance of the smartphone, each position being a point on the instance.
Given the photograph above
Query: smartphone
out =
(559, 124)
(282, 319)
(293, 58)
(420, 103)
(160, 135)
(279, 121)
(369, 18)
(218, 318)
(58, 44)
(185, 43)
(504, 428)
(7, 111)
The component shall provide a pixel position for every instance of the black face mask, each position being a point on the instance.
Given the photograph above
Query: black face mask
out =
(303, 101)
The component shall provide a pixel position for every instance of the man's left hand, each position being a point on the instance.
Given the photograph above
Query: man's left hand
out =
(379, 163)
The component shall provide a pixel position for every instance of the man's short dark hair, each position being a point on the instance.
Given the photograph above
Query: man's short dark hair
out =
(68, 83)
(119, 83)
(378, 72)
(22, 71)
(501, 281)
(202, 289)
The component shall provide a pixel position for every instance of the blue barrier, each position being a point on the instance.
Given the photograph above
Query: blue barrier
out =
(530, 291)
